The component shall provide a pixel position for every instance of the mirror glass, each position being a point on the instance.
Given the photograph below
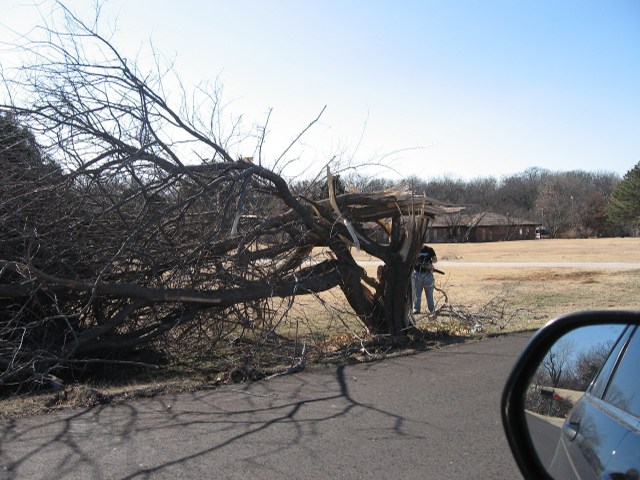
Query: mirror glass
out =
(582, 406)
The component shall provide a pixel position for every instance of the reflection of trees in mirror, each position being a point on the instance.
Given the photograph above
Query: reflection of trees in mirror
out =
(588, 364)
(557, 362)
(568, 369)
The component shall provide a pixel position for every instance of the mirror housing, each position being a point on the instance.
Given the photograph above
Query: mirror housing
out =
(513, 396)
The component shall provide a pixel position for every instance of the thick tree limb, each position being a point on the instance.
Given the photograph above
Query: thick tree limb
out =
(316, 278)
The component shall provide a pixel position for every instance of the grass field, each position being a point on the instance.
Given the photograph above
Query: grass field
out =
(544, 293)
(548, 250)
(526, 297)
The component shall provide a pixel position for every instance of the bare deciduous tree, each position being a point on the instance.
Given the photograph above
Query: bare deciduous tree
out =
(135, 221)
(557, 363)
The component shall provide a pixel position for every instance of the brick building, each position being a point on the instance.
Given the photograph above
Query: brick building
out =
(482, 227)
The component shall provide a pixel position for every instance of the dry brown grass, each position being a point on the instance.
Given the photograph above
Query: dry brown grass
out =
(529, 296)
(577, 250)
(550, 291)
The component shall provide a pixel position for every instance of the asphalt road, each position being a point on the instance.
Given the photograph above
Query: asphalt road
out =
(433, 415)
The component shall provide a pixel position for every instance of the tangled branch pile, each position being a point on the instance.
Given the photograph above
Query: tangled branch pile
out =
(129, 220)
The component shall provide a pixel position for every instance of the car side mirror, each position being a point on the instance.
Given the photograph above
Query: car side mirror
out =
(560, 378)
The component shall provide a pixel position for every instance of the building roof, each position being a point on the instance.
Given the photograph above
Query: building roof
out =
(484, 219)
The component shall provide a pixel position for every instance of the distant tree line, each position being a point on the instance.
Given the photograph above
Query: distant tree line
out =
(573, 203)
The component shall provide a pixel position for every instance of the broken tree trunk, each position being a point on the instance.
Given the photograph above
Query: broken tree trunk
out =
(381, 304)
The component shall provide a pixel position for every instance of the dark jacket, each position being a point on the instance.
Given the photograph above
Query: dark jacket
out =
(424, 262)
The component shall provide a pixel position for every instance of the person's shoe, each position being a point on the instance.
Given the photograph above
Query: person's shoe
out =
(416, 311)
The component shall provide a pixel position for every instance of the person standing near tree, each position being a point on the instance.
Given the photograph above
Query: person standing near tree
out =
(422, 278)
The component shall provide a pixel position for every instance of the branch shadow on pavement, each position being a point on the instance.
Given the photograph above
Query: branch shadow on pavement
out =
(233, 430)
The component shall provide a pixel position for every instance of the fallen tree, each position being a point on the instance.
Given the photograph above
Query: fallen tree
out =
(128, 219)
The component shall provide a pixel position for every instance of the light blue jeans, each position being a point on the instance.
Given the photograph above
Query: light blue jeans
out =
(423, 281)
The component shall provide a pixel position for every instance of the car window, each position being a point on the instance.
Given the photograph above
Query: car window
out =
(600, 382)
(623, 390)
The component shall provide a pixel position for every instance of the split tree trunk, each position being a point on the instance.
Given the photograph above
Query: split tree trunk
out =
(385, 308)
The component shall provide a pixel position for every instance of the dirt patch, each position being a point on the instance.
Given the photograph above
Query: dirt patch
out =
(544, 275)
(76, 396)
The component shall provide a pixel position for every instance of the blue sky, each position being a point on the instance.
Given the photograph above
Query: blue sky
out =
(461, 88)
